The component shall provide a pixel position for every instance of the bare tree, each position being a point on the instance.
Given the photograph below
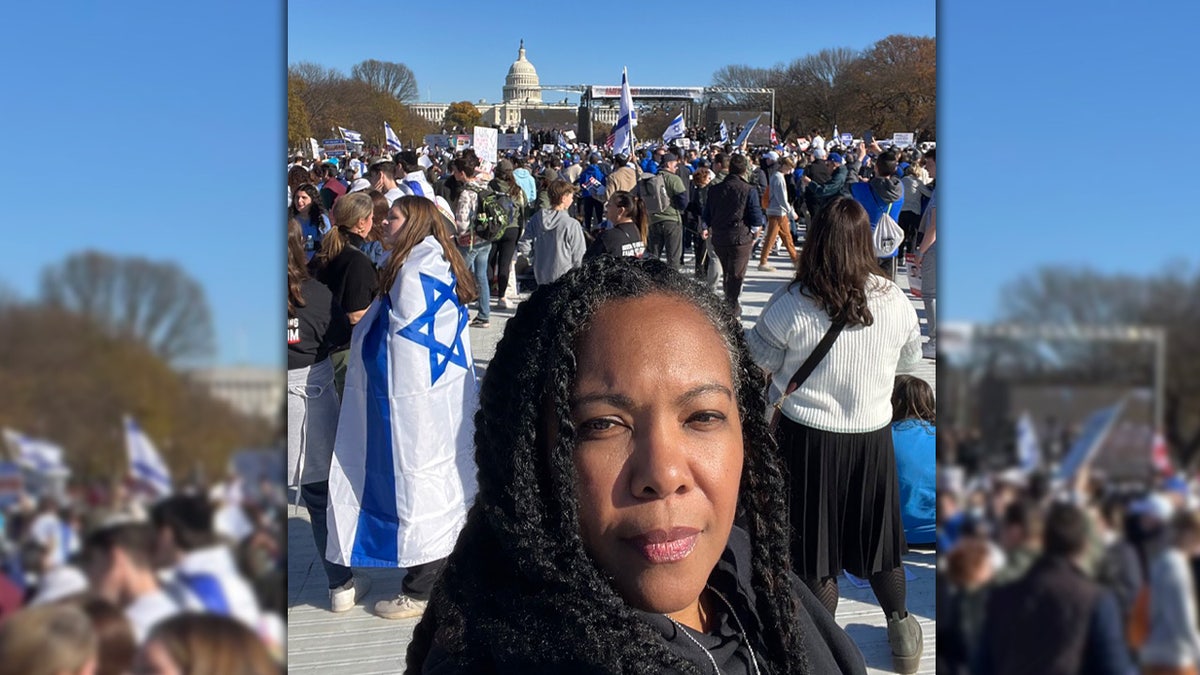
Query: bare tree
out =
(388, 77)
(156, 304)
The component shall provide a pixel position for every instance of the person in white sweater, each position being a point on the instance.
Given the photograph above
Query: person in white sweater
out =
(1173, 645)
(835, 433)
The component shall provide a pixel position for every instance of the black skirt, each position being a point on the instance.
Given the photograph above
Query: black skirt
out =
(843, 501)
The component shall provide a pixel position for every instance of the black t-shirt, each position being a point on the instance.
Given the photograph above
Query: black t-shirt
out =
(318, 327)
(619, 240)
(351, 276)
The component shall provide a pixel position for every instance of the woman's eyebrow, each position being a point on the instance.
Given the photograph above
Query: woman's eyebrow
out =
(625, 403)
(702, 389)
(615, 400)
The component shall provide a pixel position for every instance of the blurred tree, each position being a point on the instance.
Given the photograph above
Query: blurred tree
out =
(299, 129)
(893, 86)
(332, 99)
(1170, 300)
(155, 304)
(69, 379)
(462, 114)
(387, 77)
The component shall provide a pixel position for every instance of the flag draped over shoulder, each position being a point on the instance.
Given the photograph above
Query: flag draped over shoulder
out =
(403, 469)
(393, 141)
(145, 464)
(626, 119)
(675, 129)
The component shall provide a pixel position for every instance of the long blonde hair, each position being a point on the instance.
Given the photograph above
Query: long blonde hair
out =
(47, 640)
(347, 211)
(421, 219)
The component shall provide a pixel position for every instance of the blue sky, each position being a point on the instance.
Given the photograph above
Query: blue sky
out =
(153, 129)
(582, 43)
(1067, 136)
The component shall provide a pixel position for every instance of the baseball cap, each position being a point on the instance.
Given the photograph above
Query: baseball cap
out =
(834, 157)
(772, 155)
(380, 160)
(360, 184)
(818, 153)
(669, 157)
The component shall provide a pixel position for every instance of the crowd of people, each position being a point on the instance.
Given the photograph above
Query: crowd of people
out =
(403, 459)
(1043, 572)
(103, 579)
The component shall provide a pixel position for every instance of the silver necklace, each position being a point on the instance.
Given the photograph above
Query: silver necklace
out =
(745, 638)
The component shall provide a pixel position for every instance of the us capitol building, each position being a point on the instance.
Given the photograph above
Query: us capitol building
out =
(522, 101)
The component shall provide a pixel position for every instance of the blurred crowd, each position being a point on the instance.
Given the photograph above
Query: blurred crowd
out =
(100, 580)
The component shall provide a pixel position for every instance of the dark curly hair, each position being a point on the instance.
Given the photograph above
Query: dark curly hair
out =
(520, 593)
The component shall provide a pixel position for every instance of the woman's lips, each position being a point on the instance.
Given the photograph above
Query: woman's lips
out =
(665, 546)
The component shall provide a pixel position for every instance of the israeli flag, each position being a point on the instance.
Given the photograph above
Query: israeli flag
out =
(403, 469)
(626, 119)
(145, 464)
(746, 132)
(1029, 453)
(724, 132)
(37, 455)
(675, 130)
(393, 141)
(352, 136)
(1095, 430)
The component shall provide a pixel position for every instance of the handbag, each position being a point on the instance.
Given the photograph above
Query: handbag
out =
(806, 369)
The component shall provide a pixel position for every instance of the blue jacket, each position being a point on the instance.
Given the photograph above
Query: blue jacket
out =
(875, 205)
(527, 183)
(591, 170)
(649, 165)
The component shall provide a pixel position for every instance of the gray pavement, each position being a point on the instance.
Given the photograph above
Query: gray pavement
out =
(358, 642)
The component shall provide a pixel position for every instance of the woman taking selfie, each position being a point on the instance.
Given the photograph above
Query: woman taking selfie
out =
(612, 461)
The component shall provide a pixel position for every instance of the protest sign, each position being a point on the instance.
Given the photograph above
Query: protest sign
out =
(486, 143)
(903, 140)
(334, 147)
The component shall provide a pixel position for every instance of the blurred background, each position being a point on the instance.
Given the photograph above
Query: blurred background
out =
(1069, 401)
(141, 359)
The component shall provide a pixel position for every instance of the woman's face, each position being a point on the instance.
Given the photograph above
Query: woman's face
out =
(153, 659)
(393, 223)
(659, 449)
(303, 201)
(613, 212)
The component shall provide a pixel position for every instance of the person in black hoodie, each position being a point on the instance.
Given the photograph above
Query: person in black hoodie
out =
(612, 460)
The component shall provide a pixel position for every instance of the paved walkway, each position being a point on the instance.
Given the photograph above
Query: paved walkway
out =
(358, 643)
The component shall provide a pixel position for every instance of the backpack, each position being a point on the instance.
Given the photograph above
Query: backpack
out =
(653, 191)
(494, 214)
(887, 236)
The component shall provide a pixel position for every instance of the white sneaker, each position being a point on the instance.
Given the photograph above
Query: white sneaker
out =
(401, 607)
(502, 303)
(929, 349)
(343, 597)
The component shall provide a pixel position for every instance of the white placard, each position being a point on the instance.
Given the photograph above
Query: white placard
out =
(486, 140)
(903, 140)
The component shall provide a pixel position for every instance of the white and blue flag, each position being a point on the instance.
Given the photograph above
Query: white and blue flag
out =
(1095, 430)
(746, 132)
(349, 135)
(724, 132)
(145, 464)
(36, 454)
(403, 469)
(1029, 453)
(393, 141)
(626, 119)
(675, 129)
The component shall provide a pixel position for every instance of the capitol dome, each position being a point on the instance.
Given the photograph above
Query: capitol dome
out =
(521, 85)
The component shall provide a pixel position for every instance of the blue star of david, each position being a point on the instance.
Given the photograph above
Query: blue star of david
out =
(420, 331)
